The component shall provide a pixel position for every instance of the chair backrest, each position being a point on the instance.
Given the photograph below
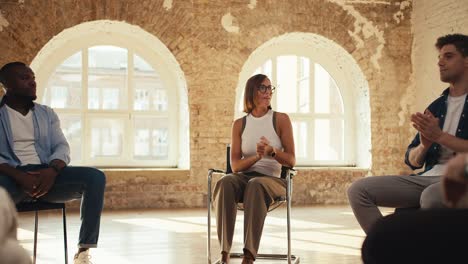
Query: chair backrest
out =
(228, 159)
(284, 170)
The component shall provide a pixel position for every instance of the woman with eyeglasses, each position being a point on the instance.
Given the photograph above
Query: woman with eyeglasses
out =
(262, 141)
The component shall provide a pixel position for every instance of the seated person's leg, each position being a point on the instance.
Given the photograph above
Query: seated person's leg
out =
(10, 249)
(366, 194)
(432, 197)
(259, 194)
(423, 236)
(86, 183)
(227, 193)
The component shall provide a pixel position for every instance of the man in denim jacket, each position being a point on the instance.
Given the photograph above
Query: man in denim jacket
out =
(442, 132)
(34, 155)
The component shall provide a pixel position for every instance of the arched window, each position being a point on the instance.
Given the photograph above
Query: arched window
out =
(312, 88)
(119, 102)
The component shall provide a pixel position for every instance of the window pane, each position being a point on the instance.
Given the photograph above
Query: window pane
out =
(287, 84)
(267, 69)
(107, 78)
(304, 85)
(300, 138)
(304, 67)
(327, 94)
(304, 98)
(63, 88)
(328, 142)
(71, 127)
(107, 136)
(150, 93)
(151, 138)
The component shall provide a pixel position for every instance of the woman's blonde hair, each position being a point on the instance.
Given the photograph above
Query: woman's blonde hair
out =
(251, 87)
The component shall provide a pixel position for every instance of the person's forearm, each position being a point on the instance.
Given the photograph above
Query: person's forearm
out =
(285, 158)
(57, 165)
(417, 155)
(244, 164)
(454, 143)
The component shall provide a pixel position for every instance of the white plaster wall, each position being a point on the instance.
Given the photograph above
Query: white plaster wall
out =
(432, 19)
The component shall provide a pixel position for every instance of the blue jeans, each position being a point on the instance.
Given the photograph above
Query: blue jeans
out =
(72, 183)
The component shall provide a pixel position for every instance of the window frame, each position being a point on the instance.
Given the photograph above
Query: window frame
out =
(349, 159)
(169, 81)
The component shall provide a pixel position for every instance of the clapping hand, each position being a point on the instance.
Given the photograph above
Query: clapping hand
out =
(428, 127)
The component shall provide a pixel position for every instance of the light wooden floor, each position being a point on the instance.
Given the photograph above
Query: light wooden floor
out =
(322, 234)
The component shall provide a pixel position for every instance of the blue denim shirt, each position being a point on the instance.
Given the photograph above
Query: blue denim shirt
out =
(50, 142)
(439, 109)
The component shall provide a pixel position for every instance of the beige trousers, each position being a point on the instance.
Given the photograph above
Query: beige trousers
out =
(11, 251)
(256, 192)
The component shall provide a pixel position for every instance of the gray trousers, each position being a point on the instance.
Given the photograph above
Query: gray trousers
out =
(366, 194)
(256, 192)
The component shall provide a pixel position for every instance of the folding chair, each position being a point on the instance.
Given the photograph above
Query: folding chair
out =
(37, 206)
(286, 173)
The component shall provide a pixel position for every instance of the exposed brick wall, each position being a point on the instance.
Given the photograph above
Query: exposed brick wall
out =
(432, 19)
(212, 58)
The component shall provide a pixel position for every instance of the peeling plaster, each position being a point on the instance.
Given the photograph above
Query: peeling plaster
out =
(3, 22)
(405, 102)
(364, 29)
(399, 16)
(167, 4)
(228, 22)
(252, 4)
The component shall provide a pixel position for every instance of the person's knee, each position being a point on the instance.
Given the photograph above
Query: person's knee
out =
(357, 190)
(431, 197)
(94, 177)
(255, 184)
(99, 177)
(225, 181)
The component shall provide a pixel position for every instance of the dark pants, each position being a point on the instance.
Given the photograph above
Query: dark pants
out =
(422, 236)
(72, 183)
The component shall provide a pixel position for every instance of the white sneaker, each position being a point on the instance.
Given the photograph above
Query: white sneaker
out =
(82, 258)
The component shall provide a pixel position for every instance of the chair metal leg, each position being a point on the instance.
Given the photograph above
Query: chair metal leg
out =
(64, 217)
(208, 205)
(289, 257)
(288, 200)
(35, 235)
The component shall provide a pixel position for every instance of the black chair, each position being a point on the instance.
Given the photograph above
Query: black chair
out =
(406, 209)
(37, 206)
(286, 173)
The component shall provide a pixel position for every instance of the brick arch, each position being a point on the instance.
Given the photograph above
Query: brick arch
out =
(107, 32)
(341, 65)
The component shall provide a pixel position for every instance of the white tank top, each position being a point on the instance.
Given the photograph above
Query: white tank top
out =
(255, 128)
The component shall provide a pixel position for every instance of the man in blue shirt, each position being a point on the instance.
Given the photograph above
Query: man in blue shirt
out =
(34, 155)
(442, 132)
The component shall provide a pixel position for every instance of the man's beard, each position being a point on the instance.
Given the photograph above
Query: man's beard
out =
(29, 98)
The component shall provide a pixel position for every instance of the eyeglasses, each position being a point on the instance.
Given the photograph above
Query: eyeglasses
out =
(263, 88)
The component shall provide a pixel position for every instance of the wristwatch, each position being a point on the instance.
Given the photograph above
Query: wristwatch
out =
(273, 153)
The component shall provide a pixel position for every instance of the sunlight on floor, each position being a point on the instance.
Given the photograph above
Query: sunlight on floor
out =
(180, 236)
